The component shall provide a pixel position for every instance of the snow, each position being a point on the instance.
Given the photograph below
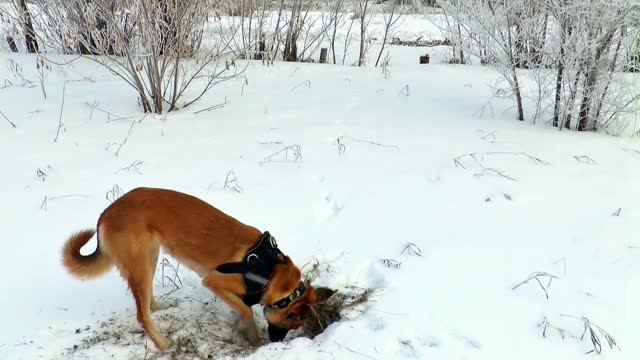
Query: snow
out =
(390, 180)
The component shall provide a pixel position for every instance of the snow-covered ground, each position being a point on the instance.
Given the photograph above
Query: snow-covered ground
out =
(390, 168)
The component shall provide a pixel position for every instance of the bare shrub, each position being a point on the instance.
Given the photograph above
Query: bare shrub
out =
(154, 46)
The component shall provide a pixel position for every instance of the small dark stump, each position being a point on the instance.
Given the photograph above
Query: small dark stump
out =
(323, 55)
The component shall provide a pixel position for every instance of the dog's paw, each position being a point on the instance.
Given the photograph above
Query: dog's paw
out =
(249, 332)
(162, 343)
(156, 306)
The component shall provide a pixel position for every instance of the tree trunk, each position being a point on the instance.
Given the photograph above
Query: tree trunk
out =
(559, 81)
(362, 32)
(571, 101)
(591, 77)
(333, 36)
(518, 95)
(514, 75)
(612, 69)
(29, 33)
(12, 44)
(461, 52)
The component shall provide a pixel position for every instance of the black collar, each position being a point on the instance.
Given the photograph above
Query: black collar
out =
(257, 267)
(283, 303)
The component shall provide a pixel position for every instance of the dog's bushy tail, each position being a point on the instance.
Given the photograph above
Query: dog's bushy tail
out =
(84, 266)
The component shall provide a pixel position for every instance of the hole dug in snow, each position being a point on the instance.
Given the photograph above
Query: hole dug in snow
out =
(200, 326)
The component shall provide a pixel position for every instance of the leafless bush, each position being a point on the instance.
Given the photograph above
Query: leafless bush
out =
(365, 15)
(393, 15)
(154, 46)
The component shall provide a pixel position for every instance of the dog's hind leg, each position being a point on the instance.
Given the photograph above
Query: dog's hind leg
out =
(141, 284)
(155, 305)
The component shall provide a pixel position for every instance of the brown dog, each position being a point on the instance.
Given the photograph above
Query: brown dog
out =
(237, 262)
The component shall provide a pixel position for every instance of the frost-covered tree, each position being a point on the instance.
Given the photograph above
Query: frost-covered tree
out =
(587, 43)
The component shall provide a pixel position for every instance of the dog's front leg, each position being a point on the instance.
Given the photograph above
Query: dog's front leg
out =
(229, 288)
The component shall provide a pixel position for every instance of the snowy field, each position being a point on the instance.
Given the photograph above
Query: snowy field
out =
(408, 183)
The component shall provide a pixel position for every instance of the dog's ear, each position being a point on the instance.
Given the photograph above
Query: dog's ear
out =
(323, 293)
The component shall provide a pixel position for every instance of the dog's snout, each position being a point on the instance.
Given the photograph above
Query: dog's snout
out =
(277, 333)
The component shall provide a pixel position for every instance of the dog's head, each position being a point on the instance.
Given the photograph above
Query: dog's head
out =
(288, 305)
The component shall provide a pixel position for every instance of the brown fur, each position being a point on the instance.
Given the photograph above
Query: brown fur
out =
(89, 266)
(132, 230)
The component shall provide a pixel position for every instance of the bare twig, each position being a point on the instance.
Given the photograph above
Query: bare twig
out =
(377, 144)
(69, 196)
(595, 332)
(270, 143)
(306, 82)
(478, 157)
(637, 152)
(6, 118)
(214, 107)
(390, 263)
(64, 87)
(41, 174)
(114, 193)
(491, 171)
(545, 324)
(291, 153)
(481, 110)
(617, 212)
(536, 276)
(45, 202)
(341, 147)
(124, 141)
(585, 159)
(176, 281)
(231, 182)
(404, 91)
(134, 166)
(411, 249)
